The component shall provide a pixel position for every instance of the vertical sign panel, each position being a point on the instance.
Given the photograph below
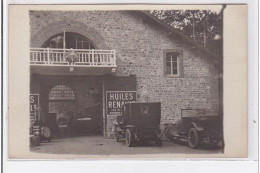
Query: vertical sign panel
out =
(34, 103)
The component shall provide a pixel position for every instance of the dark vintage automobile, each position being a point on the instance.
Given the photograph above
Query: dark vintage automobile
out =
(196, 128)
(139, 122)
(87, 122)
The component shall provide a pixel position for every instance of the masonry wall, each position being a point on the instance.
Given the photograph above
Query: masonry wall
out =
(139, 46)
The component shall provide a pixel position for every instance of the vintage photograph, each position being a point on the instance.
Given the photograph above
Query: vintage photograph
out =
(126, 82)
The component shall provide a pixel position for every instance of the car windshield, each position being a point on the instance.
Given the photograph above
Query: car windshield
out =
(141, 111)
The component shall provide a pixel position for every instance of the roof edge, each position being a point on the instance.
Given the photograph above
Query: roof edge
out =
(169, 28)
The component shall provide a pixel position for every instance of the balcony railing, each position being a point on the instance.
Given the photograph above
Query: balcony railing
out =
(72, 57)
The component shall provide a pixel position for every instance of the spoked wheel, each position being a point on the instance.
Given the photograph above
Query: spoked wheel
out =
(46, 133)
(193, 138)
(128, 138)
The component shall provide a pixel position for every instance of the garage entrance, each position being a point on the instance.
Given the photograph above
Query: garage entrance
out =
(62, 107)
(73, 104)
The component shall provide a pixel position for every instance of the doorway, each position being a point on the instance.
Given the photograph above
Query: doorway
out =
(62, 108)
(74, 105)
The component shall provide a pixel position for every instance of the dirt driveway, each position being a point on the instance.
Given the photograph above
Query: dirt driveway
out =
(98, 145)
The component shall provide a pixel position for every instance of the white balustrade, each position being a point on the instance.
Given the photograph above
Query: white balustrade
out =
(72, 57)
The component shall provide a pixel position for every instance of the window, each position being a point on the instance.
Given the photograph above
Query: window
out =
(61, 101)
(56, 42)
(69, 40)
(145, 110)
(61, 92)
(83, 43)
(172, 63)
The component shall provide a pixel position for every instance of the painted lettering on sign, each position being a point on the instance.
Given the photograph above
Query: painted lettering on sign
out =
(34, 102)
(116, 99)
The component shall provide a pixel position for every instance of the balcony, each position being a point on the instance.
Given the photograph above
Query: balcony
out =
(72, 61)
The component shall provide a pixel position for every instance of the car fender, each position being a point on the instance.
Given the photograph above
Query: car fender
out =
(197, 126)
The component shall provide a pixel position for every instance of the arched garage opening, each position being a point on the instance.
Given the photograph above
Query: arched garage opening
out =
(74, 105)
(62, 108)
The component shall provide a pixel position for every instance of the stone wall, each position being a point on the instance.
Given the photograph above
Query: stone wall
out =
(140, 46)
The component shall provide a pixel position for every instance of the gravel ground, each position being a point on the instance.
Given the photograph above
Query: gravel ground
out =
(98, 145)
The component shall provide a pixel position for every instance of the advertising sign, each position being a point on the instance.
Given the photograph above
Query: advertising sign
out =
(34, 102)
(116, 99)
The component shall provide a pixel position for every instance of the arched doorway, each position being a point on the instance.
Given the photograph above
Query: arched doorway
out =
(61, 104)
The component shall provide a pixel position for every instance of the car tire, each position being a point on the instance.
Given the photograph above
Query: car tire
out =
(128, 138)
(46, 134)
(193, 138)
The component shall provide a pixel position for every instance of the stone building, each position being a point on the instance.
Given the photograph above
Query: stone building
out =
(77, 57)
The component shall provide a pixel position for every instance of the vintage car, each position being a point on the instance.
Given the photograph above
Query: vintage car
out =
(196, 128)
(139, 122)
(86, 122)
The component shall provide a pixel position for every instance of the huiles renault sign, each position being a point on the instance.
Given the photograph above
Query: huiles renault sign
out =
(116, 99)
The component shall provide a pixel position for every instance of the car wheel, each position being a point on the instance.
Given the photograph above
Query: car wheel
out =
(193, 138)
(46, 133)
(167, 133)
(128, 138)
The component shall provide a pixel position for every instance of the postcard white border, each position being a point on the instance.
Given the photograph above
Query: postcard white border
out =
(249, 164)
